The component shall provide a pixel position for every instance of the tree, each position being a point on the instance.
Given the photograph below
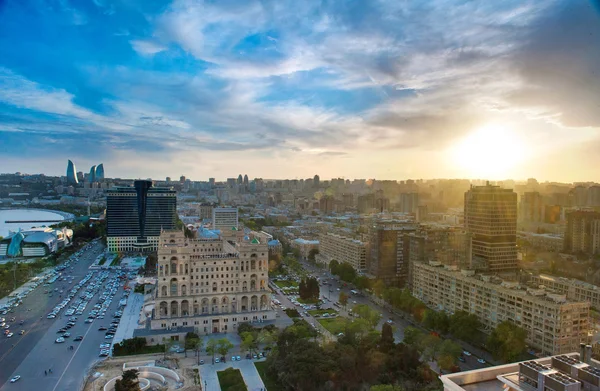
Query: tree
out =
(211, 347)
(333, 266)
(366, 312)
(447, 354)
(128, 381)
(386, 387)
(412, 336)
(429, 346)
(247, 342)
(191, 340)
(224, 346)
(464, 326)
(266, 338)
(343, 299)
(507, 341)
(378, 288)
(309, 289)
(387, 337)
(312, 254)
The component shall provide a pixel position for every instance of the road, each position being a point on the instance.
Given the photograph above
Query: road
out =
(36, 351)
(36, 324)
(400, 320)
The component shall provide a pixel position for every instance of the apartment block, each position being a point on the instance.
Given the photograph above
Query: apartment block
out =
(583, 232)
(554, 324)
(574, 289)
(224, 218)
(342, 249)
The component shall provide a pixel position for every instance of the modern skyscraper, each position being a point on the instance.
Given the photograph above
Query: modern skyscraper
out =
(71, 173)
(136, 215)
(491, 219)
(240, 180)
(387, 250)
(92, 176)
(316, 181)
(246, 180)
(583, 232)
(100, 172)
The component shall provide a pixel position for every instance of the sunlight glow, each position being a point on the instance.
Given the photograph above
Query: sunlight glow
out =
(488, 152)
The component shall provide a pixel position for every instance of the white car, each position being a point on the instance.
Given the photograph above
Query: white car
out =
(15, 379)
(60, 340)
(9, 335)
(466, 353)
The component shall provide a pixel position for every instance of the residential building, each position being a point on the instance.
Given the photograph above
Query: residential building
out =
(326, 204)
(491, 219)
(447, 245)
(224, 218)
(531, 207)
(366, 203)
(387, 250)
(304, 246)
(554, 324)
(409, 202)
(574, 289)
(547, 242)
(566, 372)
(583, 232)
(210, 284)
(135, 216)
(342, 249)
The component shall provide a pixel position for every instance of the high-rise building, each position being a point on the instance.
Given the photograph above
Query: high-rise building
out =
(491, 219)
(246, 179)
(182, 179)
(531, 207)
(209, 284)
(136, 215)
(224, 218)
(583, 232)
(92, 176)
(342, 249)
(240, 179)
(387, 260)
(211, 182)
(326, 204)
(316, 181)
(409, 202)
(100, 172)
(71, 173)
(366, 203)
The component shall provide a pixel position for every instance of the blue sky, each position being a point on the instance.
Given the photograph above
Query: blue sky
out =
(382, 88)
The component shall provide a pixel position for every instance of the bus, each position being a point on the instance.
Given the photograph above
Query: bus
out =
(354, 292)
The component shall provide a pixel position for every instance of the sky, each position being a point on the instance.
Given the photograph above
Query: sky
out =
(387, 89)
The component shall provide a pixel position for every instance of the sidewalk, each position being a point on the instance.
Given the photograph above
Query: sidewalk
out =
(130, 318)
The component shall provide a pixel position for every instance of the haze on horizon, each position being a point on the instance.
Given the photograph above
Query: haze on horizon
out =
(286, 89)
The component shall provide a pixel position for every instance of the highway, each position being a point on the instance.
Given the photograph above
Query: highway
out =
(36, 351)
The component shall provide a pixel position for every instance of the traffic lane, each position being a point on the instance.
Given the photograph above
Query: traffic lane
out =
(67, 365)
(35, 324)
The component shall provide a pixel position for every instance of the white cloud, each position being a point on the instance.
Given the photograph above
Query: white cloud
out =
(147, 48)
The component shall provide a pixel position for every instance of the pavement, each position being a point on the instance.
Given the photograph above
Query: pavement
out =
(208, 373)
(130, 317)
(36, 351)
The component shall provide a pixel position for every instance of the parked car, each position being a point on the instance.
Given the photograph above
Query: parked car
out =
(15, 379)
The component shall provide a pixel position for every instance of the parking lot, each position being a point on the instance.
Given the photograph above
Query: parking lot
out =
(62, 328)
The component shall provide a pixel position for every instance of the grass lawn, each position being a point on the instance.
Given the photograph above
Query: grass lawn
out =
(270, 383)
(329, 311)
(292, 313)
(231, 379)
(286, 284)
(116, 261)
(308, 301)
(143, 350)
(334, 325)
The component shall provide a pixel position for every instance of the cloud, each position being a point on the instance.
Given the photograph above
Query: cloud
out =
(147, 48)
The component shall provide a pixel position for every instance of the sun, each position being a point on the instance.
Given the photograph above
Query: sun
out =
(488, 152)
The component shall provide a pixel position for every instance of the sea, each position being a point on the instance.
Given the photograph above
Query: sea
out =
(26, 214)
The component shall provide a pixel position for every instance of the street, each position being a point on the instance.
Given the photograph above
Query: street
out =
(36, 351)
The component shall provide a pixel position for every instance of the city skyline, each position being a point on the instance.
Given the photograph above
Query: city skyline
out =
(371, 89)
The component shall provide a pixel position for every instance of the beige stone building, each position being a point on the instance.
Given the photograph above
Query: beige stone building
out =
(342, 249)
(211, 284)
(574, 289)
(554, 324)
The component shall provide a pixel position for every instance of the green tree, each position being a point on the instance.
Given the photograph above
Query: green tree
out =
(507, 341)
(333, 266)
(364, 311)
(429, 346)
(387, 337)
(412, 336)
(386, 387)
(448, 353)
(224, 346)
(312, 254)
(247, 342)
(128, 382)
(211, 347)
(343, 299)
(464, 326)
(191, 340)
(378, 288)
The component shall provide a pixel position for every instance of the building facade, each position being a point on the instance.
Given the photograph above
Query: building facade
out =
(491, 219)
(136, 215)
(531, 207)
(224, 218)
(342, 249)
(554, 324)
(574, 289)
(387, 251)
(583, 232)
(71, 173)
(210, 284)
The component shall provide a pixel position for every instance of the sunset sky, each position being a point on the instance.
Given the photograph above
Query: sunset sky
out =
(390, 89)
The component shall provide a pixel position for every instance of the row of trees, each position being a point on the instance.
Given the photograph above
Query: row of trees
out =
(361, 358)
(433, 348)
(253, 338)
(347, 273)
(308, 289)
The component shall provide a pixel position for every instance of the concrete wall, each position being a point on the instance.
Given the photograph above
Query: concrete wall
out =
(131, 364)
